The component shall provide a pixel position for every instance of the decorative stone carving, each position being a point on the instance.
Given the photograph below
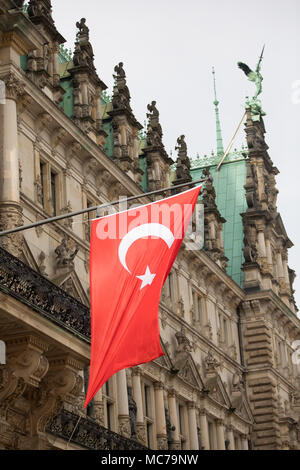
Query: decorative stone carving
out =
(132, 413)
(61, 383)
(37, 292)
(14, 87)
(141, 433)
(38, 8)
(11, 217)
(154, 130)
(121, 96)
(250, 250)
(183, 165)
(87, 85)
(211, 364)
(89, 434)
(65, 254)
(83, 54)
(213, 223)
(182, 352)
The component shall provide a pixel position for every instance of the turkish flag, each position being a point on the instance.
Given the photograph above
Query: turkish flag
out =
(131, 255)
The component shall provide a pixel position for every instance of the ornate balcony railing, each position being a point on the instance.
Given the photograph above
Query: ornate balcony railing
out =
(31, 288)
(89, 434)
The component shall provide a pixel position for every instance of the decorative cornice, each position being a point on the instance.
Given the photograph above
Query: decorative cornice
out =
(12, 39)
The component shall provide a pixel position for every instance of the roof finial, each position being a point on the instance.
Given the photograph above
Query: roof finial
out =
(220, 147)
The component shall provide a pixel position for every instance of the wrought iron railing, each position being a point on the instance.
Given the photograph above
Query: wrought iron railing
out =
(89, 434)
(31, 288)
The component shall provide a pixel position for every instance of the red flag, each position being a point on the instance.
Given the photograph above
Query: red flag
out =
(131, 255)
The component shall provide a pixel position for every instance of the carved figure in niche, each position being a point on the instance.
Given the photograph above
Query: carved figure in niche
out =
(65, 254)
(250, 251)
(169, 426)
(132, 412)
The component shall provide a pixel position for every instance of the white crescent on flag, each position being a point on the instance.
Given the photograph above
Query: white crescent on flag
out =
(142, 231)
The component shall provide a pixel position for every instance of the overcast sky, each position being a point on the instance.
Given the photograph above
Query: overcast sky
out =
(169, 47)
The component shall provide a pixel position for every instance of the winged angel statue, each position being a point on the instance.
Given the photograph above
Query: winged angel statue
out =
(257, 78)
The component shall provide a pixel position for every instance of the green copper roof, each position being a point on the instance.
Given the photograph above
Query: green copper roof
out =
(23, 62)
(229, 184)
(143, 166)
(68, 98)
(109, 144)
(64, 55)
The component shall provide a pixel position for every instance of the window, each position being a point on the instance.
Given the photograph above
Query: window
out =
(225, 331)
(211, 435)
(147, 402)
(90, 216)
(47, 189)
(197, 308)
(170, 289)
(42, 188)
(109, 405)
(183, 424)
(53, 193)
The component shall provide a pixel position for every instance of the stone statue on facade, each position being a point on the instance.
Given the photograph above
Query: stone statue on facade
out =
(119, 71)
(121, 95)
(183, 165)
(39, 8)
(83, 53)
(132, 412)
(65, 254)
(83, 29)
(182, 352)
(209, 193)
(250, 250)
(169, 426)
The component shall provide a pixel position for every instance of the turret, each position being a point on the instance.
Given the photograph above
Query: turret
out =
(158, 161)
(125, 127)
(88, 87)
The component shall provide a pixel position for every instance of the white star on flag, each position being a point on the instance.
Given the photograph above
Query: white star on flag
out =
(147, 278)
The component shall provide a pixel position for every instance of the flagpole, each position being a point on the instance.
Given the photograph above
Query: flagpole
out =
(102, 206)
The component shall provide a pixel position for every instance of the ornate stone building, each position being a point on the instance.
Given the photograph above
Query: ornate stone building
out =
(227, 313)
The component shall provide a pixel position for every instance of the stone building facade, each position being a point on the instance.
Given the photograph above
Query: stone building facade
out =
(227, 379)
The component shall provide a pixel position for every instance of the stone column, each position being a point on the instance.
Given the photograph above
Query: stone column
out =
(185, 428)
(85, 95)
(135, 149)
(285, 270)
(220, 435)
(123, 135)
(10, 208)
(269, 254)
(204, 430)
(231, 438)
(279, 265)
(244, 439)
(124, 420)
(194, 444)
(137, 395)
(261, 243)
(161, 429)
(175, 444)
(56, 78)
